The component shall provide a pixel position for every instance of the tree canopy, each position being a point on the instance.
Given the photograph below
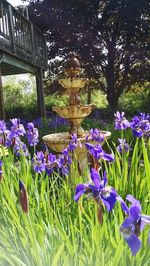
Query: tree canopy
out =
(111, 37)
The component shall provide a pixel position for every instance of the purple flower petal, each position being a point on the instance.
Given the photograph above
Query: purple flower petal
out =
(123, 146)
(89, 146)
(108, 157)
(137, 133)
(95, 177)
(128, 222)
(134, 224)
(21, 184)
(109, 199)
(145, 218)
(103, 182)
(133, 200)
(135, 212)
(134, 243)
(79, 191)
(65, 170)
(123, 205)
(78, 195)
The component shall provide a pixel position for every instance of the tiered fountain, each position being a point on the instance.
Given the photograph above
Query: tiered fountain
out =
(75, 112)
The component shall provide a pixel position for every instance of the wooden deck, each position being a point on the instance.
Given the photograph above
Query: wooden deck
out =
(20, 38)
(22, 46)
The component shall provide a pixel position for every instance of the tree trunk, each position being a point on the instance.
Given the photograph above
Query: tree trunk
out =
(40, 92)
(112, 99)
(89, 95)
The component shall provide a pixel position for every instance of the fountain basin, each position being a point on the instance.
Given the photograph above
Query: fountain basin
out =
(59, 141)
(74, 111)
(69, 83)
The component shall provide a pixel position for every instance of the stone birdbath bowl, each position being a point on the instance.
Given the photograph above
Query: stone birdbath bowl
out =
(75, 114)
(59, 141)
(70, 83)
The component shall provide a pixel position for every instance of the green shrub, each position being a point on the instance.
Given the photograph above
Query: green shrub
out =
(135, 100)
(55, 100)
(21, 100)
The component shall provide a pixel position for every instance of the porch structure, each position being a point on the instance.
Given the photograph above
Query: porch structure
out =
(22, 50)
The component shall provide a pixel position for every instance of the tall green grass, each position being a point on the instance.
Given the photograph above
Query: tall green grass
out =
(59, 231)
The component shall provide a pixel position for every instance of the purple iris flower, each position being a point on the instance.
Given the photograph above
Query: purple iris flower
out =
(136, 127)
(17, 129)
(98, 190)
(64, 160)
(140, 125)
(74, 143)
(123, 146)
(95, 135)
(39, 162)
(120, 121)
(9, 139)
(20, 148)
(62, 164)
(67, 157)
(51, 162)
(134, 224)
(12, 141)
(32, 134)
(98, 153)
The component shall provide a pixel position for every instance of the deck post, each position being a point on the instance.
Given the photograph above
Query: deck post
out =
(40, 92)
(11, 29)
(2, 112)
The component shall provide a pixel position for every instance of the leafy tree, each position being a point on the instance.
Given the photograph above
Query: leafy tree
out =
(18, 93)
(111, 38)
(13, 95)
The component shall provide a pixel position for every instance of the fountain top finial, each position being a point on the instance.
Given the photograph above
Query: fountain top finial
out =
(72, 66)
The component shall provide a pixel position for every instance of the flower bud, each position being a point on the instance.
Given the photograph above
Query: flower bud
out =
(23, 197)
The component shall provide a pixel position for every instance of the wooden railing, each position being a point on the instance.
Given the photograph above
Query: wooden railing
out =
(19, 37)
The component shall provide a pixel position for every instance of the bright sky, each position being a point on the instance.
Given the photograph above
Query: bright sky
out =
(16, 2)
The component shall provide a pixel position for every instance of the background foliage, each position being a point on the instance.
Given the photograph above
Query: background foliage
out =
(21, 100)
(110, 37)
